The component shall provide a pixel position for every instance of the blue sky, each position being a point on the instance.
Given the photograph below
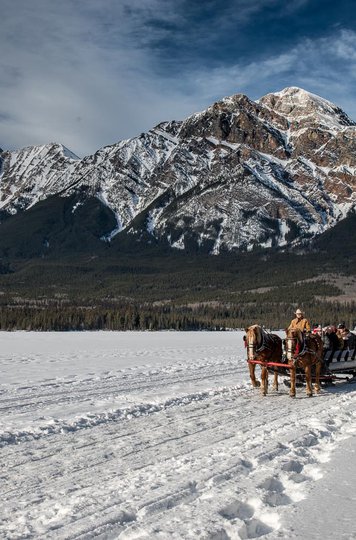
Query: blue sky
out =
(88, 73)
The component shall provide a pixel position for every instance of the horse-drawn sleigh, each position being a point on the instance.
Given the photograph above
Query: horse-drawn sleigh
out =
(302, 360)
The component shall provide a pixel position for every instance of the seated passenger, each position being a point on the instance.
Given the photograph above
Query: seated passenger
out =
(340, 327)
(330, 339)
(317, 329)
(351, 341)
(347, 339)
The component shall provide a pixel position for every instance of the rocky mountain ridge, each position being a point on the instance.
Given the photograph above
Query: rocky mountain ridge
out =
(240, 174)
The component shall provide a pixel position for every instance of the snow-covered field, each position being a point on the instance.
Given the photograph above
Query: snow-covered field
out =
(159, 435)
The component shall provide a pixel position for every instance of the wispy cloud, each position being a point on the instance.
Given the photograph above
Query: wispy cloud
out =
(330, 59)
(91, 73)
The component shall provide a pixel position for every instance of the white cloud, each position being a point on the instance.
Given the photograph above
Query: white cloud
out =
(326, 66)
(81, 73)
(62, 81)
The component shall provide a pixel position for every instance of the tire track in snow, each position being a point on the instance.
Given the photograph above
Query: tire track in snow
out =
(101, 388)
(220, 481)
(91, 420)
(223, 466)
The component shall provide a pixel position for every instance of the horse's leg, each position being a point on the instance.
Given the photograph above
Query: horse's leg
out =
(255, 383)
(275, 380)
(264, 380)
(307, 370)
(292, 380)
(317, 376)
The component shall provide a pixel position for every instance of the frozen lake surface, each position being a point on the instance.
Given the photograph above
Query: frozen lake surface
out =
(116, 435)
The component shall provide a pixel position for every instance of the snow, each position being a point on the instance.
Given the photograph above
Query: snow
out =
(34, 171)
(160, 436)
(303, 97)
(178, 244)
(217, 142)
(317, 220)
(263, 172)
(130, 176)
(283, 230)
(319, 109)
(76, 206)
(153, 218)
(69, 154)
(337, 485)
(233, 146)
(213, 140)
(166, 135)
(102, 196)
(266, 244)
(342, 210)
(217, 244)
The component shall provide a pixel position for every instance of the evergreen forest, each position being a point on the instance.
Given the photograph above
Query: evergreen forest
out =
(151, 288)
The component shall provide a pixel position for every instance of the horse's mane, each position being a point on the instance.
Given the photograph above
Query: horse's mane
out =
(298, 333)
(257, 331)
(314, 339)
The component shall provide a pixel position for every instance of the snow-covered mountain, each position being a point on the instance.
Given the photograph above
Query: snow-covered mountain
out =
(239, 174)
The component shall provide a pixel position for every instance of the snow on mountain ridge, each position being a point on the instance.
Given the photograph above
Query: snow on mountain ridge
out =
(296, 103)
(239, 174)
(294, 93)
(33, 173)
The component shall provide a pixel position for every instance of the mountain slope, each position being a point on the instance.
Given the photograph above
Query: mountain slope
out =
(238, 175)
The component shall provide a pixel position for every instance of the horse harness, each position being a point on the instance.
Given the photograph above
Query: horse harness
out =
(268, 344)
(305, 349)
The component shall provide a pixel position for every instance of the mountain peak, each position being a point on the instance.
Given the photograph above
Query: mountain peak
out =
(299, 96)
(296, 102)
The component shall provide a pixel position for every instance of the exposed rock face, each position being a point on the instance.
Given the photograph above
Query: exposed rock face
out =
(239, 174)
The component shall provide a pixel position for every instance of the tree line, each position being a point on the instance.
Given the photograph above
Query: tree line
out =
(169, 316)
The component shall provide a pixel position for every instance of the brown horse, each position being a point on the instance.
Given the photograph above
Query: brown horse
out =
(264, 347)
(304, 352)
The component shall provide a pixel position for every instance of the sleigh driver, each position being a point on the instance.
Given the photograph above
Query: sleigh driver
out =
(300, 323)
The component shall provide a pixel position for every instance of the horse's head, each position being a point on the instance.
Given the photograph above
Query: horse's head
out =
(253, 340)
(293, 337)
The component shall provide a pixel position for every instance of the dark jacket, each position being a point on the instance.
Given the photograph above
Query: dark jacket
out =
(350, 341)
(331, 342)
